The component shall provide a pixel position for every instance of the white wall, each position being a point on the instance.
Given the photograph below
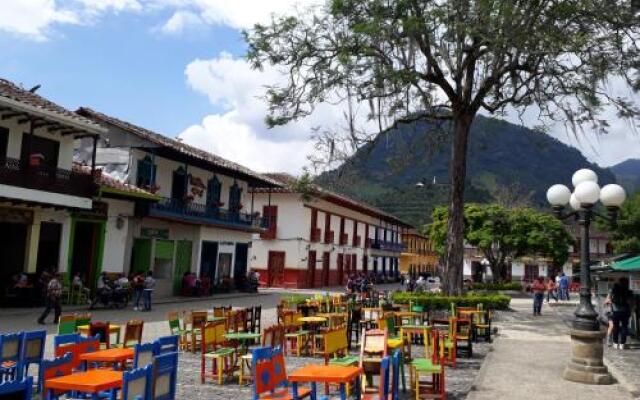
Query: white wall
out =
(116, 252)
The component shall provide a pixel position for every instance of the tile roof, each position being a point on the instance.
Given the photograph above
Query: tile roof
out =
(287, 180)
(10, 90)
(108, 181)
(183, 148)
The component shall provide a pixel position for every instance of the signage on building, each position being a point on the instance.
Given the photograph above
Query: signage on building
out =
(154, 233)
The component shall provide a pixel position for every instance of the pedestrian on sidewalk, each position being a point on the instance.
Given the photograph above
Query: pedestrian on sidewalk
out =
(537, 288)
(138, 288)
(564, 287)
(52, 300)
(552, 290)
(620, 299)
(149, 286)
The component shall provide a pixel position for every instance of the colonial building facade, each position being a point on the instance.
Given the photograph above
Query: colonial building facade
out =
(203, 221)
(41, 195)
(418, 256)
(318, 238)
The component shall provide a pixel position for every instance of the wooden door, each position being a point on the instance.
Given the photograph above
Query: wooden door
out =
(276, 268)
(340, 269)
(311, 269)
(326, 261)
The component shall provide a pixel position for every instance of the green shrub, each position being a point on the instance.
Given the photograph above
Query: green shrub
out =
(295, 299)
(435, 301)
(497, 286)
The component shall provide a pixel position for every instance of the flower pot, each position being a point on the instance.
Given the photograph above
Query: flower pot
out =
(35, 160)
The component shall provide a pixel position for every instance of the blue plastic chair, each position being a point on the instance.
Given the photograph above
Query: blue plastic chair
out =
(32, 349)
(11, 389)
(137, 392)
(168, 344)
(49, 369)
(69, 338)
(270, 375)
(396, 359)
(143, 354)
(10, 355)
(165, 367)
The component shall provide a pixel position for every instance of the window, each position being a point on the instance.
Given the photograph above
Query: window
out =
(4, 140)
(48, 148)
(271, 215)
(213, 193)
(146, 174)
(235, 196)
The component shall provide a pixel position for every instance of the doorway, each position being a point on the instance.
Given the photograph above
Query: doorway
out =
(179, 184)
(13, 242)
(240, 263)
(183, 264)
(326, 260)
(311, 269)
(224, 266)
(340, 269)
(275, 268)
(48, 247)
(85, 253)
(141, 256)
(208, 261)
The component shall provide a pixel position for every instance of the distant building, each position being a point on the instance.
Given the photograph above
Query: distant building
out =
(318, 238)
(202, 220)
(418, 256)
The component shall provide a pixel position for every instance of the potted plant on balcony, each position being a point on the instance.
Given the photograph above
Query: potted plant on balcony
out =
(36, 159)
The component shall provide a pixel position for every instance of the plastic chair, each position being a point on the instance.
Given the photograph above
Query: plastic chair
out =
(32, 349)
(176, 328)
(66, 324)
(136, 384)
(12, 389)
(383, 387)
(270, 376)
(82, 319)
(59, 366)
(213, 347)
(432, 365)
(165, 376)
(336, 351)
(143, 354)
(168, 344)
(61, 340)
(132, 333)
(10, 355)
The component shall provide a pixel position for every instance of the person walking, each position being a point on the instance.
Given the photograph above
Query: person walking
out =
(138, 289)
(564, 287)
(552, 290)
(537, 288)
(620, 299)
(52, 300)
(149, 286)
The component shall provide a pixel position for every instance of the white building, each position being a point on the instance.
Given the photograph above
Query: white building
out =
(41, 196)
(203, 222)
(319, 238)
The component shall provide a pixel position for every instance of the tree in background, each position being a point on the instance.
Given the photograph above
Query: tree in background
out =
(445, 60)
(626, 236)
(504, 234)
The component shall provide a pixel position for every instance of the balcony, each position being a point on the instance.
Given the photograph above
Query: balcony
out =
(387, 246)
(201, 214)
(20, 173)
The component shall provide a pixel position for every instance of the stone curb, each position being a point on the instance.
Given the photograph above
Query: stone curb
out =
(476, 386)
(617, 373)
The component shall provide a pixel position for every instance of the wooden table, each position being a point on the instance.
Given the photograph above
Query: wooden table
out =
(313, 323)
(242, 337)
(92, 382)
(112, 356)
(326, 374)
(113, 329)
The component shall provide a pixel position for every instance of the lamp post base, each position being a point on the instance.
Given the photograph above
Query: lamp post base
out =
(586, 365)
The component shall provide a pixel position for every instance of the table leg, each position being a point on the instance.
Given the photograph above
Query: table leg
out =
(343, 394)
(313, 391)
(357, 393)
(294, 390)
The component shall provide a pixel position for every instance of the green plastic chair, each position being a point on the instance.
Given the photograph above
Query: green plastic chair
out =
(66, 324)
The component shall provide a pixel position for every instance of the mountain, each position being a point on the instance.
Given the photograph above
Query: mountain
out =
(507, 163)
(628, 174)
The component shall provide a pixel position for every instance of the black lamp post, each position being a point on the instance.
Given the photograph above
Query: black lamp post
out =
(586, 365)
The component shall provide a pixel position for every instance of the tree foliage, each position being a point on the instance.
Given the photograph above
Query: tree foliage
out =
(504, 234)
(626, 236)
(408, 60)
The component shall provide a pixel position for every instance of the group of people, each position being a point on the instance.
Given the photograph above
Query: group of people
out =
(360, 283)
(556, 288)
(141, 283)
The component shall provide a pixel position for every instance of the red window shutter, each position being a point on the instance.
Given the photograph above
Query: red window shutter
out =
(271, 214)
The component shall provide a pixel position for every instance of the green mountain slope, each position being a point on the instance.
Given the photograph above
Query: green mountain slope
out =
(628, 174)
(507, 163)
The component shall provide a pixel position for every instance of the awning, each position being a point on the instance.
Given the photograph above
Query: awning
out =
(627, 265)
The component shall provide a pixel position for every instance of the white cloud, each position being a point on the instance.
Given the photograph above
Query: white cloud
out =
(181, 21)
(33, 18)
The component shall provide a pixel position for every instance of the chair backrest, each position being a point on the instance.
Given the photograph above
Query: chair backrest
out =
(82, 319)
(102, 329)
(133, 332)
(218, 312)
(17, 389)
(165, 374)
(59, 366)
(33, 347)
(269, 370)
(168, 344)
(198, 319)
(335, 342)
(374, 342)
(136, 384)
(173, 318)
(66, 324)
(257, 318)
(212, 336)
(396, 359)
(143, 354)
(248, 326)
(273, 336)
(61, 340)
(11, 347)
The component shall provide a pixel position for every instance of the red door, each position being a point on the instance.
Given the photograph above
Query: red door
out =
(276, 268)
(326, 260)
(340, 269)
(311, 269)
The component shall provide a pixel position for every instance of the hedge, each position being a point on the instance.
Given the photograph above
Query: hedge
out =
(434, 301)
(497, 286)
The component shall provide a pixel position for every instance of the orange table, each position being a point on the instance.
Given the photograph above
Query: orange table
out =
(92, 382)
(315, 373)
(111, 356)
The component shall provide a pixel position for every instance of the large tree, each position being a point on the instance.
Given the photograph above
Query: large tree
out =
(502, 234)
(447, 60)
(626, 235)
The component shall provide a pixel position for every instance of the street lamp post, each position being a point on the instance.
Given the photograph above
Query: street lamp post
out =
(586, 364)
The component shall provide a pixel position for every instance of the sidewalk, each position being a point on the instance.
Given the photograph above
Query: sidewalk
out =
(528, 358)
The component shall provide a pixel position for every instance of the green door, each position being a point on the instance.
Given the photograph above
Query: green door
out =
(141, 255)
(183, 264)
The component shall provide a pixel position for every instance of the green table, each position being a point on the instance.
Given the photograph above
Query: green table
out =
(215, 319)
(242, 337)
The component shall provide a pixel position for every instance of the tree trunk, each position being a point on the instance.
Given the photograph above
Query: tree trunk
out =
(452, 284)
(497, 272)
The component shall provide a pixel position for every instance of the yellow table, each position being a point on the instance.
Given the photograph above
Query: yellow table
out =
(113, 329)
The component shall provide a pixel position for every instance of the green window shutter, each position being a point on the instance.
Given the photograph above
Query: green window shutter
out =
(141, 255)
(164, 249)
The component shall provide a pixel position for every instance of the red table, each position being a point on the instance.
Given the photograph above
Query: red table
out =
(111, 356)
(315, 373)
(92, 382)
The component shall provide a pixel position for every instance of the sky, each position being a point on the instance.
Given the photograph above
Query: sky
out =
(177, 67)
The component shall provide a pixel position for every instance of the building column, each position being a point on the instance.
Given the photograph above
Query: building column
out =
(31, 251)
